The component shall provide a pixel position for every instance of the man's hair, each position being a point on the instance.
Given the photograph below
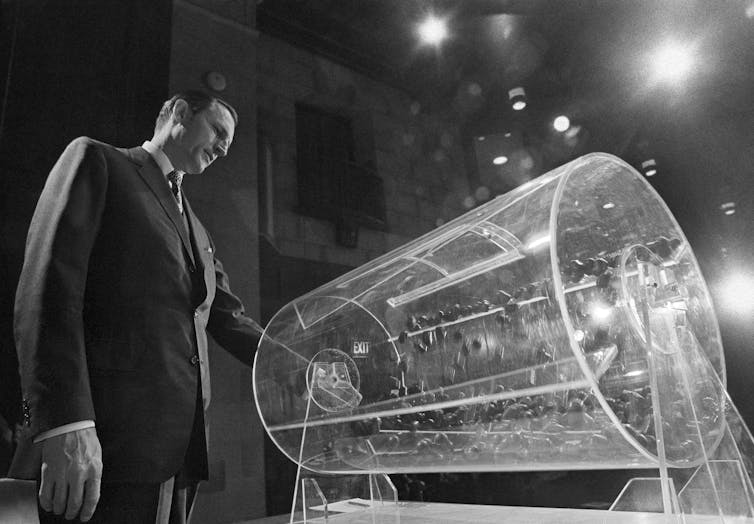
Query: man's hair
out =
(197, 101)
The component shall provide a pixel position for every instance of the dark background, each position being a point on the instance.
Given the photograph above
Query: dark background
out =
(67, 69)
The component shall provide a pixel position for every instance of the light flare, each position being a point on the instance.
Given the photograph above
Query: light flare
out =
(433, 30)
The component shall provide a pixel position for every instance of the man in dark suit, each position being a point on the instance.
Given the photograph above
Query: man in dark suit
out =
(119, 288)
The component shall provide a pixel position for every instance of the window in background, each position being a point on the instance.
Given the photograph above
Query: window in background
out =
(332, 183)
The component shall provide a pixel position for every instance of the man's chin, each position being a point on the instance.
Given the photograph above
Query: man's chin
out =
(196, 170)
(201, 167)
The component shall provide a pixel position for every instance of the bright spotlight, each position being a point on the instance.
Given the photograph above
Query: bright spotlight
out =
(500, 160)
(737, 295)
(672, 62)
(433, 30)
(561, 123)
(729, 208)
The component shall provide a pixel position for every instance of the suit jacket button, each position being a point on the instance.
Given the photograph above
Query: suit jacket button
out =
(194, 360)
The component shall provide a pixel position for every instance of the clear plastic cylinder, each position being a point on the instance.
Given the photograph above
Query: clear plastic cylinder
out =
(563, 325)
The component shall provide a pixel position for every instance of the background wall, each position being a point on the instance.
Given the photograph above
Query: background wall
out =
(417, 155)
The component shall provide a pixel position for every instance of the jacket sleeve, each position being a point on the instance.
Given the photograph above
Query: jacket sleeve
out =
(48, 324)
(228, 323)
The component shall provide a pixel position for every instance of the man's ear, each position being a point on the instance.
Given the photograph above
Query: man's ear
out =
(181, 111)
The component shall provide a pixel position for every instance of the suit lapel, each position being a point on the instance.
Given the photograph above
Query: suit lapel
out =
(193, 224)
(156, 181)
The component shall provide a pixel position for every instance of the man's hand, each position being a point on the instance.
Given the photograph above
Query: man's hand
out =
(71, 474)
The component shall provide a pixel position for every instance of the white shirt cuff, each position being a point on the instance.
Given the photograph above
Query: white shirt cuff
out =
(65, 428)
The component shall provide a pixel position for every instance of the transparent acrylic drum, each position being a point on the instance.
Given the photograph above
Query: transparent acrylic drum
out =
(564, 325)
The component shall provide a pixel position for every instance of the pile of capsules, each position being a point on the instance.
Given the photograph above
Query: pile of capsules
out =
(526, 429)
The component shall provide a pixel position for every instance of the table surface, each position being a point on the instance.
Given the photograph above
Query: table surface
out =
(440, 513)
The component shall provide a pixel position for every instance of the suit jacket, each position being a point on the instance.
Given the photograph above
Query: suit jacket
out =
(113, 307)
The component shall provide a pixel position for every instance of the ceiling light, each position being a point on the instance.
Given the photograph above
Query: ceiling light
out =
(649, 167)
(500, 160)
(609, 205)
(433, 30)
(561, 123)
(517, 97)
(728, 208)
(672, 62)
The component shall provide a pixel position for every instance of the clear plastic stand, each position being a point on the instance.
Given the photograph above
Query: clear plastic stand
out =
(720, 484)
(323, 498)
(370, 497)
(644, 494)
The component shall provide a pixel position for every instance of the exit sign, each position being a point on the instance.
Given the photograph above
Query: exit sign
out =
(360, 348)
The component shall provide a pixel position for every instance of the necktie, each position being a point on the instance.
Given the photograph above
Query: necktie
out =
(176, 178)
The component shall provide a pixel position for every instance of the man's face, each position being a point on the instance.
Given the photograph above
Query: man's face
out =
(201, 137)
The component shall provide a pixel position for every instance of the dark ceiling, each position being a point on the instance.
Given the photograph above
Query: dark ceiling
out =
(588, 51)
(586, 58)
(589, 59)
